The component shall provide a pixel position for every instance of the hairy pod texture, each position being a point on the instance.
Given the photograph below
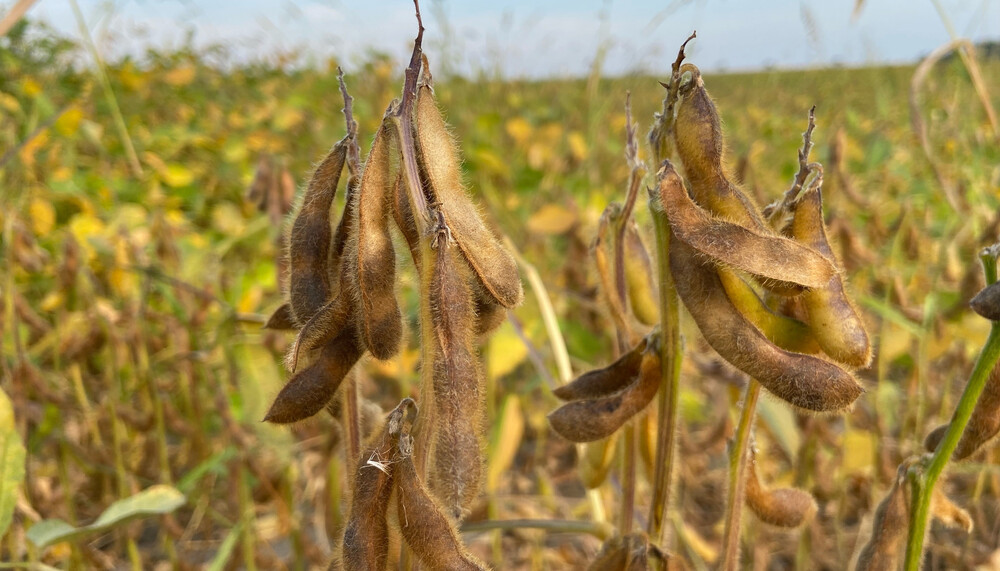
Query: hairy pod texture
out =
(770, 257)
(372, 251)
(889, 527)
(834, 320)
(987, 302)
(439, 158)
(783, 507)
(983, 425)
(456, 455)
(281, 319)
(430, 534)
(700, 145)
(606, 381)
(309, 240)
(804, 381)
(366, 537)
(591, 419)
(782, 330)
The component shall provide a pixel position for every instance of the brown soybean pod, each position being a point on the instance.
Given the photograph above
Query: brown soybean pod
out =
(834, 320)
(783, 507)
(700, 145)
(373, 254)
(987, 302)
(456, 457)
(308, 391)
(767, 256)
(888, 528)
(605, 381)
(281, 319)
(309, 240)
(366, 537)
(439, 158)
(593, 419)
(427, 531)
(983, 425)
(489, 313)
(804, 381)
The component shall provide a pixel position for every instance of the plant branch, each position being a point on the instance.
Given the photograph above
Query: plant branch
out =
(925, 474)
(737, 478)
(404, 126)
(353, 152)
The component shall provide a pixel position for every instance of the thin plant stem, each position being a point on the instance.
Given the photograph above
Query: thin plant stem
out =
(924, 475)
(670, 369)
(600, 530)
(737, 478)
(109, 94)
(352, 423)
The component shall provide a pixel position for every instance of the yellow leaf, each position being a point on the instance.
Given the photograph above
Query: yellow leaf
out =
(250, 300)
(551, 220)
(43, 216)
(505, 442)
(9, 103)
(506, 352)
(69, 122)
(287, 119)
(31, 87)
(577, 146)
(52, 301)
(519, 130)
(180, 76)
(859, 451)
(177, 175)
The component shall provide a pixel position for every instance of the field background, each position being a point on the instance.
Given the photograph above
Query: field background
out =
(134, 286)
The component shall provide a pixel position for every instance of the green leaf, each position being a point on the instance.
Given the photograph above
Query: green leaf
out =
(12, 457)
(158, 499)
(226, 549)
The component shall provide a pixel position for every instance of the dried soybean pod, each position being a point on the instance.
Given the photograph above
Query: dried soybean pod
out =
(639, 272)
(804, 381)
(889, 528)
(834, 320)
(770, 257)
(611, 557)
(308, 391)
(366, 537)
(373, 254)
(438, 155)
(309, 240)
(700, 145)
(606, 381)
(592, 419)
(427, 531)
(281, 319)
(597, 460)
(456, 464)
(782, 330)
(784, 507)
(983, 425)
(987, 302)
(489, 313)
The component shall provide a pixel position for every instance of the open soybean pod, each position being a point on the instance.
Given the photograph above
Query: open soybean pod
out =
(366, 537)
(782, 330)
(596, 418)
(430, 534)
(770, 257)
(983, 425)
(456, 468)
(832, 316)
(782, 507)
(804, 381)
(607, 380)
(309, 240)
(372, 254)
(700, 145)
(439, 158)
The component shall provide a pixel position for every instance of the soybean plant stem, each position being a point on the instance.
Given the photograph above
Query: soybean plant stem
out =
(670, 370)
(924, 475)
(737, 478)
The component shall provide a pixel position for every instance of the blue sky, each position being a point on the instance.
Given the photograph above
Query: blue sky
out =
(521, 38)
